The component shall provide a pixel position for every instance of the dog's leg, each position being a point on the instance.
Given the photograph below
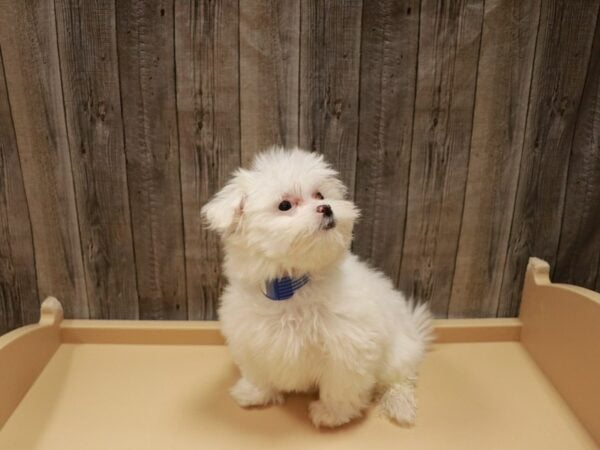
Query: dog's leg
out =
(343, 395)
(246, 394)
(398, 401)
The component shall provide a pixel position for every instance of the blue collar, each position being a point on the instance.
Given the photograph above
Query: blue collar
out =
(284, 288)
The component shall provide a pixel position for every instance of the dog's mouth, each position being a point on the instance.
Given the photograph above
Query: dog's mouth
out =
(328, 223)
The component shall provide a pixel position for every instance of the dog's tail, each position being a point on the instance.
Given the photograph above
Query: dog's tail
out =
(422, 321)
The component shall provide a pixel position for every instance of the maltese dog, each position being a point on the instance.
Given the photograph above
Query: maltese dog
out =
(300, 313)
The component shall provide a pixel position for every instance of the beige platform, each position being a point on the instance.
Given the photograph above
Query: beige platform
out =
(528, 383)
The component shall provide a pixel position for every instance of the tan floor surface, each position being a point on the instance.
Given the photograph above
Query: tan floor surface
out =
(480, 396)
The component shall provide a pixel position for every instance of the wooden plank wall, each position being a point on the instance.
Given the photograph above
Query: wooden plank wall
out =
(468, 133)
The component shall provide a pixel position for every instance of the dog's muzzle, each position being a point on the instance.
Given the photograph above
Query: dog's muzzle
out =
(327, 221)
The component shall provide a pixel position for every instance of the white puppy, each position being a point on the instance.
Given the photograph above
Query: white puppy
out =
(301, 312)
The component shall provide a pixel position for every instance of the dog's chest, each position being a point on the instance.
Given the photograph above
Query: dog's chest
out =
(287, 344)
(294, 332)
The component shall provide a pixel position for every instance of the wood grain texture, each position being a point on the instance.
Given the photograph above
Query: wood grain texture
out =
(329, 82)
(578, 258)
(19, 301)
(90, 79)
(562, 53)
(503, 82)
(209, 128)
(145, 37)
(467, 132)
(31, 62)
(269, 34)
(390, 40)
(449, 40)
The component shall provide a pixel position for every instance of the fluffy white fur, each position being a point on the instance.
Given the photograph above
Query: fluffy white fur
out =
(348, 333)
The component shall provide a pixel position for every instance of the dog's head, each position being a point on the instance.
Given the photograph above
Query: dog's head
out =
(288, 209)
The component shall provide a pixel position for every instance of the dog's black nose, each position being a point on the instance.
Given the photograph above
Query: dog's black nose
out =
(325, 210)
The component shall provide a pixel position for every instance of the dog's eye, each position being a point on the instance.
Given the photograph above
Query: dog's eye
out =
(285, 205)
(318, 195)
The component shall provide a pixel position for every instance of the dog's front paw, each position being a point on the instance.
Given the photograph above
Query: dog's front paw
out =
(324, 416)
(247, 394)
(399, 404)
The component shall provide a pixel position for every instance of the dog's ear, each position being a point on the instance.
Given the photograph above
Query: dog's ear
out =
(225, 208)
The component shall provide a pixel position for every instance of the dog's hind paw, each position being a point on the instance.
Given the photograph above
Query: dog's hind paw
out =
(247, 394)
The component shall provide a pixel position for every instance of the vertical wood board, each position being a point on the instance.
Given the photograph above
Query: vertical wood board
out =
(31, 63)
(90, 80)
(209, 129)
(503, 85)
(269, 58)
(449, 40)
(329, 82)
(145, 37)
(390, 40)
(578, 259)
(19, 301)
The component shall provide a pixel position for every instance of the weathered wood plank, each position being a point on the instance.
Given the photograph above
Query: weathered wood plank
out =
(329, 81)
(503, 84)
(31, 62)
(145, 38)
(19, 303)
(208, 95)
(269, 59)
(90, 79)
(390, 40)
(563, 49)
(578, 260)
(449, 40)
